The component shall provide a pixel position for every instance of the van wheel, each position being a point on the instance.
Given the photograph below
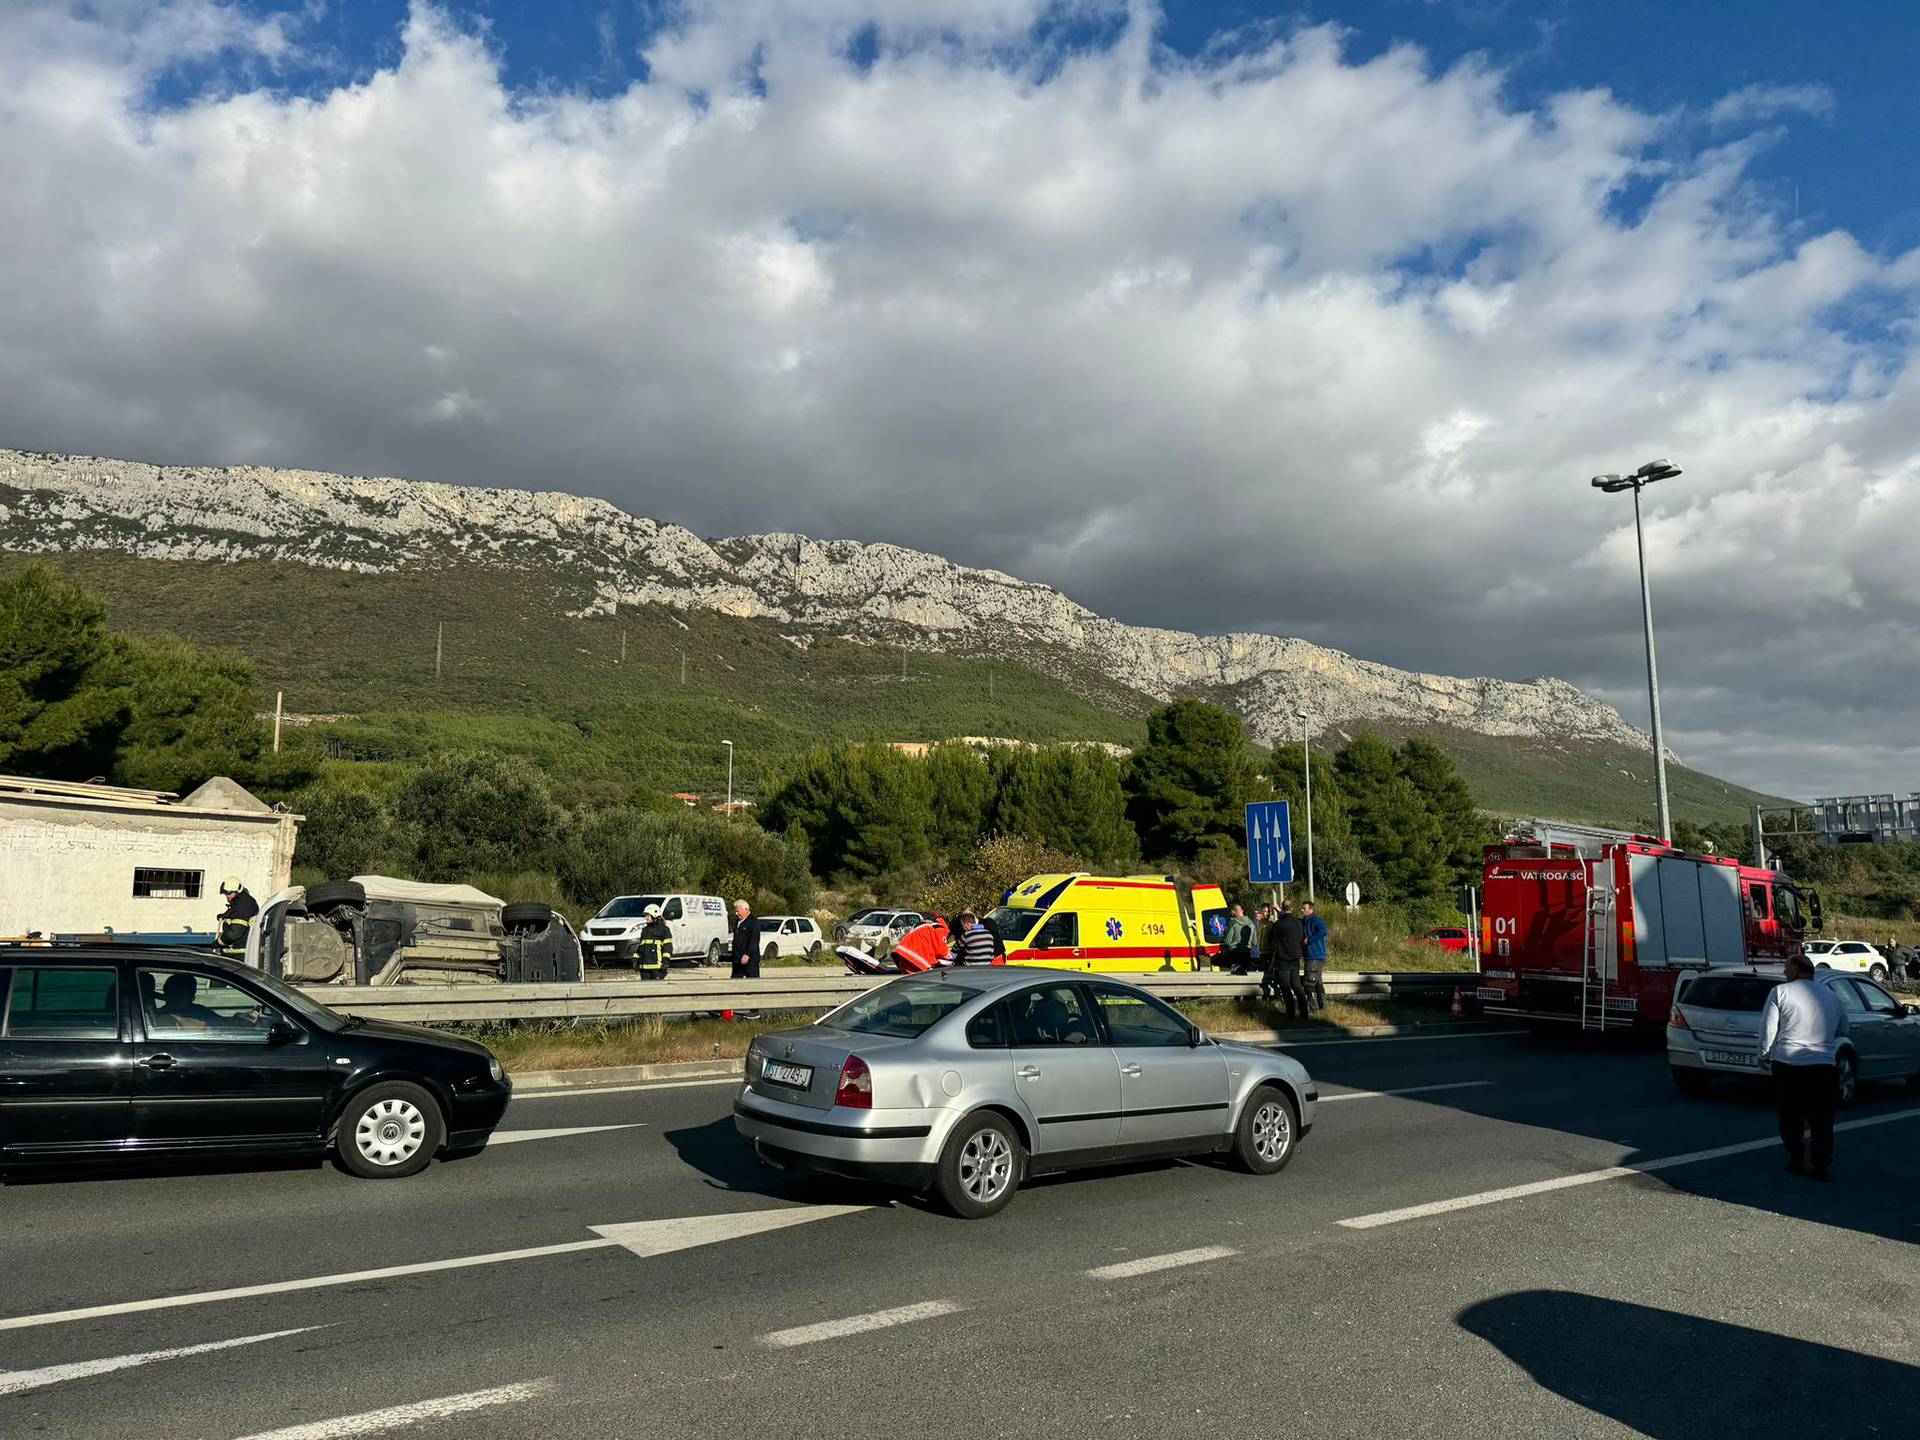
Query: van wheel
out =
(980, 1167)
(713, 952)
(389, 1130)
(528, 915)
(1263, 1141)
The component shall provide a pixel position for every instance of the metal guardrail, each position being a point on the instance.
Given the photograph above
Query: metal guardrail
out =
(777, 989)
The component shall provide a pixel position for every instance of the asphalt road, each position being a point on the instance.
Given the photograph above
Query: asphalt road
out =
(1711, 1297)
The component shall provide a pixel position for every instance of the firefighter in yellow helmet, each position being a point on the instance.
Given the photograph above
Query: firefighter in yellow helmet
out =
(236, 921)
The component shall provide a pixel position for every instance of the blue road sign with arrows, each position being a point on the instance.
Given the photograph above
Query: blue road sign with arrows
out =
(1269, 844)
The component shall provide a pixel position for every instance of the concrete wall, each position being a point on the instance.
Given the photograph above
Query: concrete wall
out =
(70, 867)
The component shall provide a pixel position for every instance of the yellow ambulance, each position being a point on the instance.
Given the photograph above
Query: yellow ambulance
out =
(1111, 922)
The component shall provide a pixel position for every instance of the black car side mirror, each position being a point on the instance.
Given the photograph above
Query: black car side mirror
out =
(281, 1033)
(1194, 1036)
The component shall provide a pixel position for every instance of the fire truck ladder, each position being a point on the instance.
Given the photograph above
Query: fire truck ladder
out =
(1597, 945)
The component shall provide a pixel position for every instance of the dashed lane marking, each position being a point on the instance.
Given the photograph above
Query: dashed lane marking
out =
(514, 1137)
(397, 1417)
(1410, 1090)
(858, 1324)
(14, 1382)
(1594, 1177)
(1148, 1264)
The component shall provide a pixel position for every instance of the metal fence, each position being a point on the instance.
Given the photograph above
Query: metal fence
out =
(778, 989)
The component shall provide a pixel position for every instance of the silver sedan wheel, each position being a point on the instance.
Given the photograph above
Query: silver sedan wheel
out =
(390, 1132)
(1272, 1133)
(986, 1166)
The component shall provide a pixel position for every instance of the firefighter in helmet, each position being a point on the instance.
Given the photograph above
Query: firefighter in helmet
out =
(236, 921)
(650, 957)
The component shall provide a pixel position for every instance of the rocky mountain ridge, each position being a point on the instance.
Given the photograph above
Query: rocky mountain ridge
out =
(604, 558)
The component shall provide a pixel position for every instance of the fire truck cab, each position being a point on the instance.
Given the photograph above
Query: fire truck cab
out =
(1593, 927)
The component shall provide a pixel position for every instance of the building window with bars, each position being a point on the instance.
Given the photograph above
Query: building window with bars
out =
(166, 884)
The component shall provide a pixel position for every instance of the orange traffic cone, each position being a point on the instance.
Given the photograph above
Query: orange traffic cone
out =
(728, 1014)
(1458, 1009)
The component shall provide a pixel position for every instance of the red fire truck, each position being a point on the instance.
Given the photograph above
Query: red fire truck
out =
(1592, 927)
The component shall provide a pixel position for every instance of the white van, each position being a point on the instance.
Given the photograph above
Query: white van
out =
(699, 923)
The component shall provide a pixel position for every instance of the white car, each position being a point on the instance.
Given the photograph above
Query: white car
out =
(1855, 957)
(699, 924)
(876, 930)
(790, 935)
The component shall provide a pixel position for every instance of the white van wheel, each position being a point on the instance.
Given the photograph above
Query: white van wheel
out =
(713, 952)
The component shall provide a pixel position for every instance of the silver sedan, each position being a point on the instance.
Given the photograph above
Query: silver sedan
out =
(964, 1082)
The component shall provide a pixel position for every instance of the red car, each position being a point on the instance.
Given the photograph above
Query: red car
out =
(1453, 939)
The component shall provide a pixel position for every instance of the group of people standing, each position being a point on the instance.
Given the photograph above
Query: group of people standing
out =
(1291, 949)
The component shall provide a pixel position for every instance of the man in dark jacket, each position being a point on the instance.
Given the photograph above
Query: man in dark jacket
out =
(1285, 945)
(652, 956)
(1313, 983)
(746, 942)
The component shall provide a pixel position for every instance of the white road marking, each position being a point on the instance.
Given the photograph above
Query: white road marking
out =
(1410, 1090)
(661, 1237)
(1381, 1039)
(13, 1382)
(576, 1092)
(1594, 1177)
(641, 1237)
(283, 1287)
(514, 1137)
(1147, 1265)
(858, 1324)
(397, 1417)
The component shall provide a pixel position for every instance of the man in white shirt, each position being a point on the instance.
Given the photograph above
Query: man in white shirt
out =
(1800, 1029)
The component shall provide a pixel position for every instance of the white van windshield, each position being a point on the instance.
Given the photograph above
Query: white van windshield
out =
(627, 907)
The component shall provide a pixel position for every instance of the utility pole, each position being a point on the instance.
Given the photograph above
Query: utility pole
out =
(279, 696)
(1306, 765)
(683, 664)
(623, 647)
(729, 745)
(439, 640)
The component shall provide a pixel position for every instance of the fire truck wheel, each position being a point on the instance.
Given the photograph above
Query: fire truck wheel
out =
(1846, 1077)
(1263, 1142)
(1691, 1082)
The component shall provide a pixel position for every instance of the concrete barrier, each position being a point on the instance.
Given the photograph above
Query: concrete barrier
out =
(782, 988)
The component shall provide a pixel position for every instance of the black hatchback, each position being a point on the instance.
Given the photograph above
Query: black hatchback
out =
(112, 1051)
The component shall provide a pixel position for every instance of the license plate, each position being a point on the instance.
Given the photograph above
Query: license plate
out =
(1490, 992)
(1730, 1057)
(781, 1073)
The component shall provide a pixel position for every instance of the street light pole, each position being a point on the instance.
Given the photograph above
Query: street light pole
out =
(1653, 677)
(1636, 482)
(1306, 765)
(729, 745)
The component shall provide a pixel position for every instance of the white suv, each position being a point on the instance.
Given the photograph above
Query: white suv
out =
(790, 935)
(1855, 957)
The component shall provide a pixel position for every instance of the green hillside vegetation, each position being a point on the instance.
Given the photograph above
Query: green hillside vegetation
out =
(519, 675)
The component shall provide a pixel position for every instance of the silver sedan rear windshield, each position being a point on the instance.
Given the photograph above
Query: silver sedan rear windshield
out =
(1728, 992)
(905, 1009)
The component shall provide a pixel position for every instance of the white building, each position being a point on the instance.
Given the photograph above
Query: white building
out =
(82, 859)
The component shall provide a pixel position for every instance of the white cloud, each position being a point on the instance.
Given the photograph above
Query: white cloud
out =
(1268, 339)
(1754, 103)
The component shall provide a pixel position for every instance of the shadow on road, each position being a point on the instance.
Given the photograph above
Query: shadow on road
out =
(1611, 1091)
(728, 1163)
(1678, 1377)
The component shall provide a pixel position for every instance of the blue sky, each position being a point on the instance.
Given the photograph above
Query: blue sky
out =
(1311, 321)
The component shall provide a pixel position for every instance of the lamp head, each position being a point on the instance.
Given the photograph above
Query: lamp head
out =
(1657, 470)
(1613, 484)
